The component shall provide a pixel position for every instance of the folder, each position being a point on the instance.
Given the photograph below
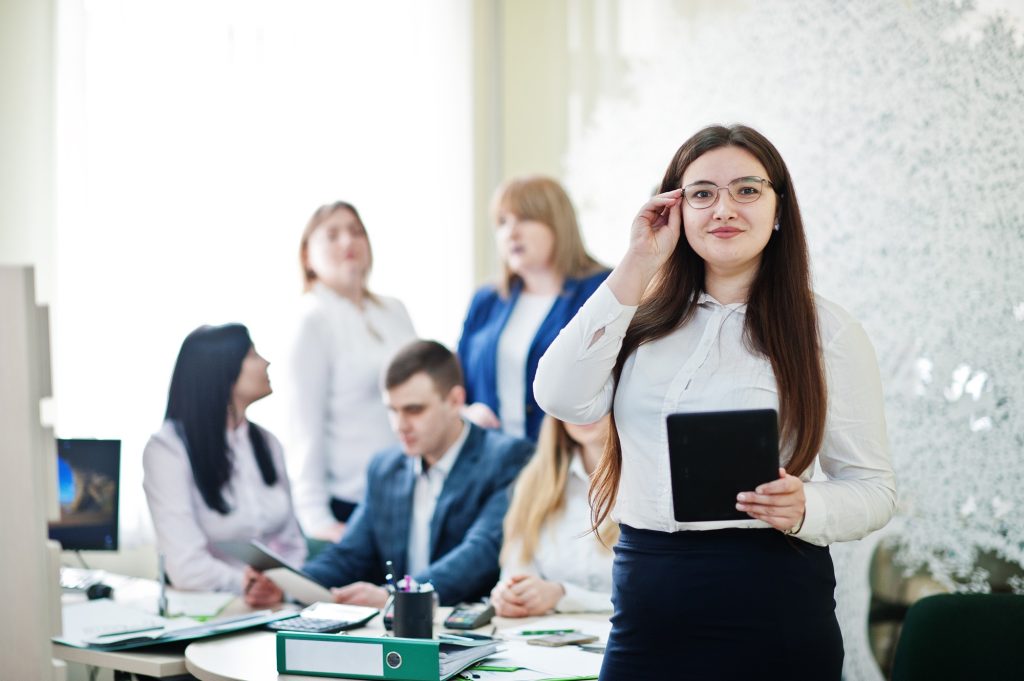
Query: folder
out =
(359, 657)
(105, 625)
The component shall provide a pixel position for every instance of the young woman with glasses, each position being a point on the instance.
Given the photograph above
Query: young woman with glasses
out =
(711, 309)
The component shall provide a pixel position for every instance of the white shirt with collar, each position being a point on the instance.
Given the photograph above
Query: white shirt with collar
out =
(567, 553)
(337, 419)
(186, 527)
(706, 366)
(426, 491)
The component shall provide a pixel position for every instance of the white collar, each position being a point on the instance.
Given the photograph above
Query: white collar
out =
(710, 300)
(576, 467)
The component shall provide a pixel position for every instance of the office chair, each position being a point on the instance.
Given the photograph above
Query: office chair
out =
(961, 637)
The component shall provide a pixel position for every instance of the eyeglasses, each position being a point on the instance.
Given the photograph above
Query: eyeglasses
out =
(742, 190)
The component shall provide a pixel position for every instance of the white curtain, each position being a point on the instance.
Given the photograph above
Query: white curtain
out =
(195, 139)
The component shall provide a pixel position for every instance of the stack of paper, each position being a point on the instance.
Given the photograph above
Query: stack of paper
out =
(454, 657)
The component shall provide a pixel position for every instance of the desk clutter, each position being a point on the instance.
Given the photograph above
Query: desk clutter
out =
(105, 625)
(449, 656)
(365, 652)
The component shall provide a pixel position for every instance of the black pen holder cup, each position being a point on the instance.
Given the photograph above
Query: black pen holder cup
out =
(413, 614)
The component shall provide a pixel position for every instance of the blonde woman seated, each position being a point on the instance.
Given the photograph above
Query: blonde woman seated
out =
(549, 560)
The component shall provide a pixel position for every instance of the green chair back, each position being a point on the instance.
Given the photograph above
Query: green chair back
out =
(962, 637)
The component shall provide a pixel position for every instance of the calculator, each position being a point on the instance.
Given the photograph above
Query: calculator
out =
(469, 616)
(325, 618)
(309, 625)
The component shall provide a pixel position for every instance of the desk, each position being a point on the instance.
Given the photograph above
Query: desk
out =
(252, 656)
(159, 661)
(159, 664)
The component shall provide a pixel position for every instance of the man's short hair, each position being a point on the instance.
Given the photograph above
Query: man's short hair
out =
(430, 357)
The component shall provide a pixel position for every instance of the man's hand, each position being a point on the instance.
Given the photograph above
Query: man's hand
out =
(361, 593)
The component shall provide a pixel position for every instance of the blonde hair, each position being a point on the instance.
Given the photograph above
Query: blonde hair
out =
(319, 216)
(539, 198)
(539, 493)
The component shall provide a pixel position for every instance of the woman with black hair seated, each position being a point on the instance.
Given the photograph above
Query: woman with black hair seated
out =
(210, 475)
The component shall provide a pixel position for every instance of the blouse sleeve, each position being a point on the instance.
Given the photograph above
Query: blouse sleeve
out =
(169, 488)
(578, 599)
(574, 377)
(402, 314)
(290, 542)
(859, 495)
(308, 394)
(514, 565)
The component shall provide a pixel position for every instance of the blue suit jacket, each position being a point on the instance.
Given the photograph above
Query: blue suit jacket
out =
(486, 319)
(465, 531)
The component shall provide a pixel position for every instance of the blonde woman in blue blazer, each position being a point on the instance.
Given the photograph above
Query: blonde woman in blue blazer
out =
(546, 277)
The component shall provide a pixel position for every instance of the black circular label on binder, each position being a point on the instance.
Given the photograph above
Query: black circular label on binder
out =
(394, 660)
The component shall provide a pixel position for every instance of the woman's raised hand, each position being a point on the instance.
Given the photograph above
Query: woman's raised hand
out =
(652, 239)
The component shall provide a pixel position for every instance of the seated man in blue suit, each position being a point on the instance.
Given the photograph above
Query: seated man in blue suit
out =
(434, 506)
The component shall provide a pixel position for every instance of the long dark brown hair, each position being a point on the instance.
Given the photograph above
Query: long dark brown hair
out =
(780, 322)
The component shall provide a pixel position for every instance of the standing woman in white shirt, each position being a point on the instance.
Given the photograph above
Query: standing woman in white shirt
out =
(344, 339)
(546, 276)
(725, 319)
(550, 560)
(210, 475)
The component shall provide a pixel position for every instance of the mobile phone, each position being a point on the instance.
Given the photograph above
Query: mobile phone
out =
(555, 640)
(469, 616)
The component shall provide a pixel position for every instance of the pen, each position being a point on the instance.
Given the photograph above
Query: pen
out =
(389, 568)
(545, 632)
(162, 576)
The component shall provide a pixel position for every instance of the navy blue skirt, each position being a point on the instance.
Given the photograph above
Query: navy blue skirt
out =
(721, 605)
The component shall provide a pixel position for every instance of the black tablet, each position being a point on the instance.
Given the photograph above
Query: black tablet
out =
(716, 455)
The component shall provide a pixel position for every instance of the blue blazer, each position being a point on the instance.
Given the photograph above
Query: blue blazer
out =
(465, 531)
(478, 346)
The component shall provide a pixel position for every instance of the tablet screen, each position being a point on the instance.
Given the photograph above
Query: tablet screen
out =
(716, 455)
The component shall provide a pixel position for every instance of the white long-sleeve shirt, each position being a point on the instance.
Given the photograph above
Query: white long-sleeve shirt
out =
(186, 527)
(705, 366)
(567, 554)
(337, 419)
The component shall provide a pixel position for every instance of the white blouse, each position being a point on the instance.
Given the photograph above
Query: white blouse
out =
(186, 527)
(567, 554)
(337, 419)
(705, 366)
(514, 344)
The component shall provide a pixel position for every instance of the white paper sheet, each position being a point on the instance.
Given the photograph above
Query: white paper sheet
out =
(196, 603)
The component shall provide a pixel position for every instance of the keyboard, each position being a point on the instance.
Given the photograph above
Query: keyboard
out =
(311, 625)
(79, 579)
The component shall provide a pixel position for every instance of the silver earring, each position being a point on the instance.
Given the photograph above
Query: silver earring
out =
(776, 227)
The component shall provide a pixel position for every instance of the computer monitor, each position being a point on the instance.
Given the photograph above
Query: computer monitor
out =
(87, 489)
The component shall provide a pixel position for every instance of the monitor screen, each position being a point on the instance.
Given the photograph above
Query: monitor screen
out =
(87, 490)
